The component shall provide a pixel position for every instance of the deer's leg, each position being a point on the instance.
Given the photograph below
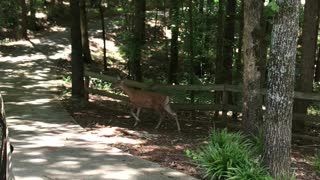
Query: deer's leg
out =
(160, 121)
(173, 114)
(135, 116)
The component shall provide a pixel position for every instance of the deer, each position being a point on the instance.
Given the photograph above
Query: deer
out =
(145, 99)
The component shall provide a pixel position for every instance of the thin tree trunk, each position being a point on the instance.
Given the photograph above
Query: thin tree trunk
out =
(228, 45)
(33, 23)
(84, 32)
(219, 51)
(252, 100)
(191, 50)
(23, 20)
(174, 51)
(229, 41)
(101, 10)
(239, 62)
(309, 48)
(76, 53)
(317, 73)
(138, 39)
(280, 87)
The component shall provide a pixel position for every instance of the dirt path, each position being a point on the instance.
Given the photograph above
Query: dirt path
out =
(48, 144)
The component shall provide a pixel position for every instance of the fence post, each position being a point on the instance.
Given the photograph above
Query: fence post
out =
(86, 88)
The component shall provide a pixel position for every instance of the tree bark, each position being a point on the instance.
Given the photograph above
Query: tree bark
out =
(309, 48)
(138, 39)
(33, 23)
(252, 100)
(174, 50)
(280, 87)
(219, 68)
(239, 58)
(84, 32)
(229, 41)
(317, 73)
(23, 20)
(76, 53)
(101, 11)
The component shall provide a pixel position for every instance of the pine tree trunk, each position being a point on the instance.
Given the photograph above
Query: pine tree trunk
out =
(101, 11)
(76, 53)
(317, 73)
(239, 62)
(138, 39)
(219, 69)
(33, 23)
(280, 87)
(229, 41)
(84, 32)
(252, 100)
(309, 48)
(174, 50)
(23, 20)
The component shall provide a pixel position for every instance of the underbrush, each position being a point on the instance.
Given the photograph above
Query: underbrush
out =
(230, 156)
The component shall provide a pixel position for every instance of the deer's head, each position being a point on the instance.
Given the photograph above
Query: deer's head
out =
(119, 84)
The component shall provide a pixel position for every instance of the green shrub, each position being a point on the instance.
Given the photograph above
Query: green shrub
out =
(229, 156)
(317, 162)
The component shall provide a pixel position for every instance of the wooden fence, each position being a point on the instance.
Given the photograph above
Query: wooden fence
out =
(224, 88)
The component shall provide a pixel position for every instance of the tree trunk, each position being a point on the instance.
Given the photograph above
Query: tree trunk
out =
(239, 62)
(252, 100)
(23, 20)
(84, 32)
(76, 53)
(51, 9)
(317, 73)
(191, 50)
(219, 69)
(138, 39)
(33, 20)
(101, 11)
(309, 48)
(220, 43)
(174, 50)
(280, 87)
(229, 41)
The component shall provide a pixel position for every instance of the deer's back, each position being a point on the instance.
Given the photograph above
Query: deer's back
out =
(146, 99)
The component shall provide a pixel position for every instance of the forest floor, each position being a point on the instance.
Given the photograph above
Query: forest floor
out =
(105, 117)
(109, 119)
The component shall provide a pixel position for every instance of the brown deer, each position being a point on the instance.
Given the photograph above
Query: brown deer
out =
(146, 99)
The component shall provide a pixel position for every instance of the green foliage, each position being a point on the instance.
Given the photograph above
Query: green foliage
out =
(100, 84)
(229, 156)
(271, 9)
(317, 162)
(8, 15)
(67, 79)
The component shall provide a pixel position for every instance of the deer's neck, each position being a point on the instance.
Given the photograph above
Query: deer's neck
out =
(128, 91)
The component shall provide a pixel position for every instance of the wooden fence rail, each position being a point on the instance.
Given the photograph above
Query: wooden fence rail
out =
(204, 107)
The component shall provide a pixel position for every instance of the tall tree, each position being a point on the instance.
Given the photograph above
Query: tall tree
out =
(280, 87)
(138, 39)
(252, 100)
(101, 11)
(229, 33)
(174, 50)
(309, 48)
(33, 23)
(219, 68)
(84, 32)
(23, 20)
(76, 51)
(317, 71)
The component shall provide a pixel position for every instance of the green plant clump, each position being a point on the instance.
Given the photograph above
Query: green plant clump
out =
(317, 162)
(229, 156)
